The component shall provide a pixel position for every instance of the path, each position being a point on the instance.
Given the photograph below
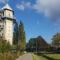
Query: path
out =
(26, 57)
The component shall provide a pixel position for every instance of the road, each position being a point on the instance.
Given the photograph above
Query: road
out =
(26, 57)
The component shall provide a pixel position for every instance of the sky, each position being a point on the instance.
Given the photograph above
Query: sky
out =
(40, 17)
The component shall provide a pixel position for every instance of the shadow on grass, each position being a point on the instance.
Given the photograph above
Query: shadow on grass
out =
(47, 57)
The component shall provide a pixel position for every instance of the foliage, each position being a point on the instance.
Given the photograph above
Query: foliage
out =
(9, 56)
(22, 39)
(4, 46)
(56, 39)
(15, 39)
(6, 52)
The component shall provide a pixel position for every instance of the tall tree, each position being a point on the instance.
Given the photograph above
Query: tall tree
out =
(15, 34)
(56, 40)
(22, 39)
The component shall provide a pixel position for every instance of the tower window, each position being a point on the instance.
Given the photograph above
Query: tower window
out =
(9, 14)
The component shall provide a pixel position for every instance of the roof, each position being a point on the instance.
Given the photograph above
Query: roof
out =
(7, 7)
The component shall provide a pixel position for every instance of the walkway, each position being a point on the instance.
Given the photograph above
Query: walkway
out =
(26, 57)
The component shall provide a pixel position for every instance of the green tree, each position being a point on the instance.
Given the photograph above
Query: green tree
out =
(22, 39)
(32, 42)
(15, 39)
(56, 39)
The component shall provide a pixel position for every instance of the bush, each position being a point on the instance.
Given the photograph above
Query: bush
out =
(9, 56)
(4, 45)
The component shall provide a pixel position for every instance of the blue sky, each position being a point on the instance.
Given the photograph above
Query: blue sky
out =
(40, 17)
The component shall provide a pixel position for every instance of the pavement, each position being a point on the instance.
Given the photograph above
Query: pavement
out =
(25, 57)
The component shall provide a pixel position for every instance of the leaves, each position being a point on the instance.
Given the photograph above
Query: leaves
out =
(15, 39)
(22, 39)
(56, 39)
(4, 45)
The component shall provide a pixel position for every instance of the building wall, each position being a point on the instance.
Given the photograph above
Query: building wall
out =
(9, 31)
(8, 13)
(1, 28)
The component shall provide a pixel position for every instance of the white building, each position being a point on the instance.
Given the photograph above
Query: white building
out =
(6, 23)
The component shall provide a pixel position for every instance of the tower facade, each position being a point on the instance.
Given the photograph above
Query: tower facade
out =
(6, 23)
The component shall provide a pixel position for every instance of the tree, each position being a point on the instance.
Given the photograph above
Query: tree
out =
(15, 39)
(32, 42)
(56, 40)
(22, 39)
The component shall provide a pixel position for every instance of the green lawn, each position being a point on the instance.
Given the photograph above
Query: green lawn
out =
(36, 57)
(55, 56)
(52, 56)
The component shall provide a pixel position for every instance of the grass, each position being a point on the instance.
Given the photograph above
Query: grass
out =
(36, 57)
(54, 56)
(46, 57)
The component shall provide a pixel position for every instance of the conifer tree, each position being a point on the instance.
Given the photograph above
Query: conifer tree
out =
(22, 39)
(15, 42)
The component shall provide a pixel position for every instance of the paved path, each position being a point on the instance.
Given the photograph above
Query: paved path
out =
(26, 57)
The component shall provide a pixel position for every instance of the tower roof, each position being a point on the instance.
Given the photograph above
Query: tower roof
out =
(7, 7)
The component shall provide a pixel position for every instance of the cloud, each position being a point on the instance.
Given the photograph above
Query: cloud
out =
(23, 5)
(49, 8)
(20, 7)
(3, 1)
